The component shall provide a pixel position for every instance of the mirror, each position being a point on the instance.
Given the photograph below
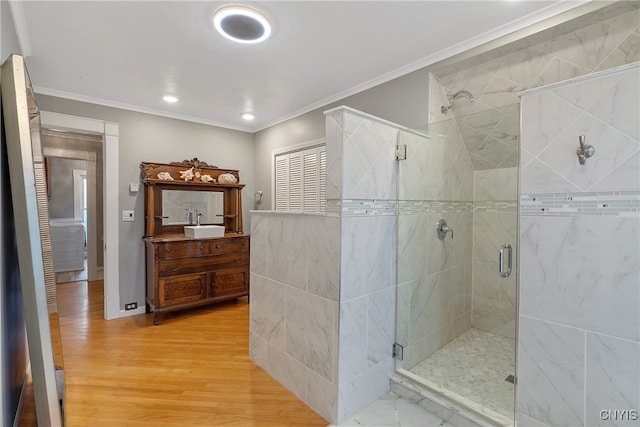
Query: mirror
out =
(177, 203)
(30, 215)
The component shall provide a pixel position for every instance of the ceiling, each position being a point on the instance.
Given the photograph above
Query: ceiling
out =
(128, 54)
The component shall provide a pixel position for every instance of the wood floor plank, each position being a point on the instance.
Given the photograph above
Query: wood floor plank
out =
(193, 369)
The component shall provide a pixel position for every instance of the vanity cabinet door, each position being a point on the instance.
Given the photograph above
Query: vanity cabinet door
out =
(229, 282)
(176, 290)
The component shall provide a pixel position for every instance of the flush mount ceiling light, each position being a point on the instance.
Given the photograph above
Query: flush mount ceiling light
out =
(248, 116)
(241, 24)
(170, 99)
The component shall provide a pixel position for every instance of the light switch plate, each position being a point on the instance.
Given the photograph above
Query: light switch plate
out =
(133, 188)
(128, 215)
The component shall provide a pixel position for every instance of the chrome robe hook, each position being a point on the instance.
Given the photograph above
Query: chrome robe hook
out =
(584, 151)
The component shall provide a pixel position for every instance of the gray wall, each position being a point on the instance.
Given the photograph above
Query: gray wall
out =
(403, 101)
(13, 340)
(61, 201)
(148, 138)
(86, 144)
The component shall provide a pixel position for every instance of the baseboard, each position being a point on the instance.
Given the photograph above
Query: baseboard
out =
(140, 310)
(25, 382)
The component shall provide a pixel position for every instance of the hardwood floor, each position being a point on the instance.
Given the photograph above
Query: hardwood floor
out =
(193, 369)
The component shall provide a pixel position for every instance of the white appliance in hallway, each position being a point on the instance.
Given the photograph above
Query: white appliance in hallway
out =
(68, 244)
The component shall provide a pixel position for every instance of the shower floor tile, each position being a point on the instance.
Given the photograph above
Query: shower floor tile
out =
(475, 366)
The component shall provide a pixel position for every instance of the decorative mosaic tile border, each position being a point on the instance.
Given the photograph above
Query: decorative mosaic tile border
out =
(496, 206)
(612, 203)
(394, 207)
(362, 207)
(412, 207)
(615, 203)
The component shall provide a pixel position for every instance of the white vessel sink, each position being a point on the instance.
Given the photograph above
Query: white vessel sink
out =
(203, 231)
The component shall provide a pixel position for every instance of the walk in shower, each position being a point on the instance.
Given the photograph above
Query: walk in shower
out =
(456, 282)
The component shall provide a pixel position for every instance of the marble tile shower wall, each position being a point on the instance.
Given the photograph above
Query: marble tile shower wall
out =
(434, 276)
(579, 336)
(495, 223)
(593, 48)
(294, 304)
(361, 173)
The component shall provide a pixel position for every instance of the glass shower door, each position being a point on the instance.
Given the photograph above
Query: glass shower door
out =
(455, 313)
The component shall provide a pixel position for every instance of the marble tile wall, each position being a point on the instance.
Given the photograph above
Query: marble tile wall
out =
(579, 336)
(591, 48)
(295, 303)
(366, 190)
(494, 223)
(323, 286)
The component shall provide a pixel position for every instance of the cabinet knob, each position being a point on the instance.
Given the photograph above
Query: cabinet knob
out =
(218, 246)
(174, 269)
(237, 261)
(167, 249)
(201, 247)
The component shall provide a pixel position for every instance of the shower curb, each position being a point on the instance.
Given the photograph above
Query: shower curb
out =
(435, 404)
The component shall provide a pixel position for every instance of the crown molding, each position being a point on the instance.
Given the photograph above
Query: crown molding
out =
(20, 24)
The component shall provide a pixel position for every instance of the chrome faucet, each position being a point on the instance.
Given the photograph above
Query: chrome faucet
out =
(198, 215)
(189, 216)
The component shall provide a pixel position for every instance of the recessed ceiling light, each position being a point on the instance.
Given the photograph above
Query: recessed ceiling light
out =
(169, 98)
(248, 116)
(241, 24)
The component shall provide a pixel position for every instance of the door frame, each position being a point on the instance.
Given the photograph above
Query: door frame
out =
(111, 242)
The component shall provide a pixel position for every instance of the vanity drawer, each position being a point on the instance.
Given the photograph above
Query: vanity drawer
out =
(183, 249)
(174, 267)
(221, 246)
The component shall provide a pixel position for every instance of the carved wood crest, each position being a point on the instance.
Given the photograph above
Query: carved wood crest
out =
(194, 171)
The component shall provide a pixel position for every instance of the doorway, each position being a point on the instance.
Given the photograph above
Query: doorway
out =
(110, 229)
(75, 203)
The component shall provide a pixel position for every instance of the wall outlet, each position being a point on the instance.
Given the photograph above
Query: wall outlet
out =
(131, 306)
(128, 215)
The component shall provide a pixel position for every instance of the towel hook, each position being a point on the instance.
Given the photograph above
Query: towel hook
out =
(584, 151)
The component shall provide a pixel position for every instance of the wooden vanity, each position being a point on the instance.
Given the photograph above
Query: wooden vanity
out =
(184, 272)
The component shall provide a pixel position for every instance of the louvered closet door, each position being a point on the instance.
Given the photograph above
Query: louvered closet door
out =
(282, 182)
(311, 180)
(300, 180)
(322, 178)
(296, 181)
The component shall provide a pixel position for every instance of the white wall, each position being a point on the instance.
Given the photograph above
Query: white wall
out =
(148, 138)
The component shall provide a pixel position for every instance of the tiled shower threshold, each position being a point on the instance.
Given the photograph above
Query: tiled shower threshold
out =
(471, 370)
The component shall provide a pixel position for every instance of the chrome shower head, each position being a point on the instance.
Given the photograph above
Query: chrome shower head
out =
(461, 93)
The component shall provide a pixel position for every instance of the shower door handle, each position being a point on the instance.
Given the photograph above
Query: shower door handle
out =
(502, 271)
